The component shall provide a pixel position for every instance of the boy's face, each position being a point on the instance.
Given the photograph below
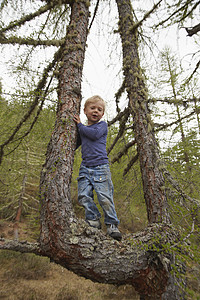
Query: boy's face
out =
(94, 112)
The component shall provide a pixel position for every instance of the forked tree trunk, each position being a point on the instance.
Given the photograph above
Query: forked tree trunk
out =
(140, 259)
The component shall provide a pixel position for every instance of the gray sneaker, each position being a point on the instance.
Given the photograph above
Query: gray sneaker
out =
(94, 223)
(114, 232)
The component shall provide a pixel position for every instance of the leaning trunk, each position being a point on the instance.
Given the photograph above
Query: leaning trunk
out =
(153, 181)
(152, 177)
(56, 206)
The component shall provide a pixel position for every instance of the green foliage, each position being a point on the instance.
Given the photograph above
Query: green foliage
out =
(128, 191)
(23, 159)
(187, 173)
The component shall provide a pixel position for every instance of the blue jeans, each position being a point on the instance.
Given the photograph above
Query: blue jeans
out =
(99, 179)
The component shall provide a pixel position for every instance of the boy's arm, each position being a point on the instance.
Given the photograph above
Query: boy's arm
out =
(93, 133)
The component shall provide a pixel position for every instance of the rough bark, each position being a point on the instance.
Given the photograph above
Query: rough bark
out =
(56, 207)
(152, 177)
(153, 181)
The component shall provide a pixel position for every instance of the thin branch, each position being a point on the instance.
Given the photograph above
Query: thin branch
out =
(123, 151)
(174, 101)
(191, 231)
(59, 18)
(119, 116)
(192, 9)
(9, 205)
(3, 3)
(23, 20)
(194, 71)
(176, 186)
(119, 93)
(94, 15)
(130, 164)
(28, 41)
(174, 13)
(145, 16)
(43, 97)
(164, 126)
(121, 130)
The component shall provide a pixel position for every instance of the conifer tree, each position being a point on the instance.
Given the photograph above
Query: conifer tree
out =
(141, 259)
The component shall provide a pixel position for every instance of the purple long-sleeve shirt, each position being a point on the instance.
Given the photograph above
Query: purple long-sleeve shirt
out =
(93, 143)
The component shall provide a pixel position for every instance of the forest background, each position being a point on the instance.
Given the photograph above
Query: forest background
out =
(174, 102)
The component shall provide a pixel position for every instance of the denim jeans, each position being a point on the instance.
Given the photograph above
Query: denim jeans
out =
(99, 179)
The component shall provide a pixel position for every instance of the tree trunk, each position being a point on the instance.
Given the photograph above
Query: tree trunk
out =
(56, 207)
(152, 177)
(153, 181)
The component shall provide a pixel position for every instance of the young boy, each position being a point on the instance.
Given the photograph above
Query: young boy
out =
(94, 173)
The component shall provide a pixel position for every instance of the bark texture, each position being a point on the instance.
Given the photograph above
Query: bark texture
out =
(153, 181)
(56, 175)
(152, 177)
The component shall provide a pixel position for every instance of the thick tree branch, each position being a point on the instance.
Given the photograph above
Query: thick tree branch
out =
(147, 148)
(88, 252)
(20, 246)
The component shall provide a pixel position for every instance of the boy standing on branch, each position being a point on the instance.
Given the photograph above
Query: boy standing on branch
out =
(94, 173)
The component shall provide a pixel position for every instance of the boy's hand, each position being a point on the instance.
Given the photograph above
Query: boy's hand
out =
(77, 119)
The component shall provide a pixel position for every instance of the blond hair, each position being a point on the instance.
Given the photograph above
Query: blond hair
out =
(95, 99)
